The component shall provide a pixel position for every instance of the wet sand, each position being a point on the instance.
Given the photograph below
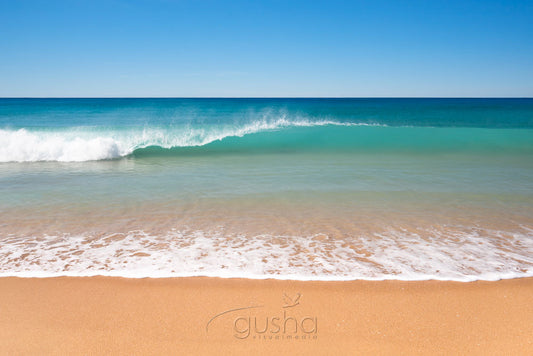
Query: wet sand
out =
(104, 315)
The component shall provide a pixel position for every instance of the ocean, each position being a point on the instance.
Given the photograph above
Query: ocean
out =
(305, 189)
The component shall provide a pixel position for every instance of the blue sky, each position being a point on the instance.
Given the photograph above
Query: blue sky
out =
(266, 48)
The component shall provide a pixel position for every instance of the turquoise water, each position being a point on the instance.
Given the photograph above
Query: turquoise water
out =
(282, 188)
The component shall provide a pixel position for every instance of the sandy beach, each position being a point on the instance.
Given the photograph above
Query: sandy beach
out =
(104, 315)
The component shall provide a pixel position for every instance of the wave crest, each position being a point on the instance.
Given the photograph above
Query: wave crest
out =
(82, 144)
(25, 146)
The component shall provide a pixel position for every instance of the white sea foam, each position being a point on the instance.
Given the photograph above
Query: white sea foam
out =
(440, 254)
(24, 146)
(85, 144)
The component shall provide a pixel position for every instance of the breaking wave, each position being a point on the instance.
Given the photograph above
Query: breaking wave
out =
(77, 144)
(86, 144)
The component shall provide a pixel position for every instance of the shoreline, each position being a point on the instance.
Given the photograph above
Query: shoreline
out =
(206, 315)
(281, 278)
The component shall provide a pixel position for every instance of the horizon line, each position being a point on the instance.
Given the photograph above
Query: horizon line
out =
(266, 97)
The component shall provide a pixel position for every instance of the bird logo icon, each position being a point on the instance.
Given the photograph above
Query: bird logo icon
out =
(289, 302)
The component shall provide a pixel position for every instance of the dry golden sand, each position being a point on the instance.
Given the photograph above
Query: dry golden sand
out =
(101, 315)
